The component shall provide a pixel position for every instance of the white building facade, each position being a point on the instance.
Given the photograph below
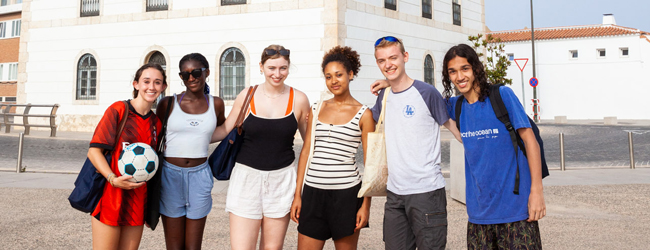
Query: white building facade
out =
(82, 54)
(584, 72)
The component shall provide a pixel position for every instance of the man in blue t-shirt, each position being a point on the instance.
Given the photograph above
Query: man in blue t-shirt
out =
(415, 213)
(498, 218)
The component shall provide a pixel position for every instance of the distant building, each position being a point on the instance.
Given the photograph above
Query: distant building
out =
(82, 54)
(10, 27)
(584, 72)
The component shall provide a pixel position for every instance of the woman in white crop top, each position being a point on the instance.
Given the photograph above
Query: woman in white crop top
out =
(327, 206)
(186, 179)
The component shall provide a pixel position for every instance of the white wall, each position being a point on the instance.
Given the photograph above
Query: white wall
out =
(120, 43)
(588, 87)
(121, 47)
(364, 28)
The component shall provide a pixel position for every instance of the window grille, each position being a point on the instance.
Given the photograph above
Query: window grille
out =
(456, 10)
(428, 70)
(157, 5)
(3, 29)
(232, 76)
(16, 28)
(158, 58)
(232, 2)
(390, 4)
(89, 8)
(13, 72)
(426, 9)
(87, 78)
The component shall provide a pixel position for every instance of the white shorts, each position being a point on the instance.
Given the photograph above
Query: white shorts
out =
(254, 194)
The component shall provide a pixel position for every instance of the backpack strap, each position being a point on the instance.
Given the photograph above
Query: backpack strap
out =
(459, 107)
(502, 114)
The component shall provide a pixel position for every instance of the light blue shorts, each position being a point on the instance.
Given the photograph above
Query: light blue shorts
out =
(186, 191)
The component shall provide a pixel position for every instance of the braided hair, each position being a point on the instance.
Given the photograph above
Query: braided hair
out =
(197, 57)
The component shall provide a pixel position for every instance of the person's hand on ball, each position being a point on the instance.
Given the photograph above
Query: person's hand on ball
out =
(124, 183)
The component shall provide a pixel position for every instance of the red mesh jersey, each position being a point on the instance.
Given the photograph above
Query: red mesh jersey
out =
(119, 207)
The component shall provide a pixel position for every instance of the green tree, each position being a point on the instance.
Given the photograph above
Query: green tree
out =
(496, 63)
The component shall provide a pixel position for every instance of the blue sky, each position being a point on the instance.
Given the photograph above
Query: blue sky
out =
(515, 14)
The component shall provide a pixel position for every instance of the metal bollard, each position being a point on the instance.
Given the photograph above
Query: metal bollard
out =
(19, 161)
(562, 166)
(629, 138)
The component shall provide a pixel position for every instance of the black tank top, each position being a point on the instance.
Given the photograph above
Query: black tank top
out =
(268, 142)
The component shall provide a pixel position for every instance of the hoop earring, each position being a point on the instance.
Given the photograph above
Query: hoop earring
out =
(261, 72)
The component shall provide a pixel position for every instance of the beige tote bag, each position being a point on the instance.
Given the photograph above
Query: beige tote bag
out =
(375, 173)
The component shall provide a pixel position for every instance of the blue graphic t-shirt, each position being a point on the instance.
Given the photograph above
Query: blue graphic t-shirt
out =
(490, 165)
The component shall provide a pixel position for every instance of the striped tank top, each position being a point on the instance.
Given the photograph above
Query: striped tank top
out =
(333, 165)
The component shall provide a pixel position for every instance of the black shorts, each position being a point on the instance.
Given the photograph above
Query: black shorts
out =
(329, 213)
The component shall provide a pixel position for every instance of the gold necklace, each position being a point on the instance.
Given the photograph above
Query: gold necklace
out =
(272, 97)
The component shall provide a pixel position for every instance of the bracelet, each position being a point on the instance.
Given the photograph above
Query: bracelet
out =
(110, 178)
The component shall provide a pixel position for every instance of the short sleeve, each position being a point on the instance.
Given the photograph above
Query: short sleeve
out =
(516, 111)
(104, 136)
(451, 107)
(376, 110)
(433, 99)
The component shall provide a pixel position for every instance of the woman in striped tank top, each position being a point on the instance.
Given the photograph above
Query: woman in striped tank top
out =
(328, 206)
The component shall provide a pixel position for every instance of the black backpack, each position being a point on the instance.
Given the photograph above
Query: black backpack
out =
(502, 114)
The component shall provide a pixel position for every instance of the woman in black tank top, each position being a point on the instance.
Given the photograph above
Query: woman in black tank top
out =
(276, 112)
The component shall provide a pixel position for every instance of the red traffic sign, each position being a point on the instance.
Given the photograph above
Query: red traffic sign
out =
(523, 61)
(533, 81)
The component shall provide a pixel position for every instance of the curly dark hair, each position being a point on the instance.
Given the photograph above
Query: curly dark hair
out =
(344, 55)
(480, 78)
(197, 57)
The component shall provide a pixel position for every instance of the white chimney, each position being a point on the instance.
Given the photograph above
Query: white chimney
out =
(608, 19)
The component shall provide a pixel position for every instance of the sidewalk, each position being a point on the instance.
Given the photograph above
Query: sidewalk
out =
(586, 209)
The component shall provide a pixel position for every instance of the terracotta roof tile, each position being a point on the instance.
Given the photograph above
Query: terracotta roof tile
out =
(598, 30)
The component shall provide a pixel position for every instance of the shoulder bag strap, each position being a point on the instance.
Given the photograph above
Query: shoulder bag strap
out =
(502, 114)
(380, 123)
(459, 109)
(163, 132)
(244, 109)
(122, 123)
(314, 120)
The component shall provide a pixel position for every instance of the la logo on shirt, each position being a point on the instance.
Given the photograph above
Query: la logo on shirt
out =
(408, 111)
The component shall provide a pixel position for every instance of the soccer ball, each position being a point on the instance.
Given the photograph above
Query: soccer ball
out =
(138, 160)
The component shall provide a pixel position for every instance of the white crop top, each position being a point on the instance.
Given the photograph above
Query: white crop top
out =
(188, 135)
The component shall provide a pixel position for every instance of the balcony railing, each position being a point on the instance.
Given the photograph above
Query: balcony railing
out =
(157, 5)
(89, 8)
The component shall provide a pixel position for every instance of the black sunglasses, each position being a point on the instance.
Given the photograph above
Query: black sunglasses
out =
(271, 52)
(387, 38)
(195, 73)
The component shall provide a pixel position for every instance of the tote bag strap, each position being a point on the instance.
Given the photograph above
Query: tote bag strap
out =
(312, 138)
(380, 123)
(244, 110)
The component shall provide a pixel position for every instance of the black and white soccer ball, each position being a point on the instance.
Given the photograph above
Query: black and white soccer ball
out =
(138, 160)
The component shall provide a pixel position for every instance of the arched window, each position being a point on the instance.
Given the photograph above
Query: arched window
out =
(232, 76)
(158, 58)
(428, 70)
(87, 78)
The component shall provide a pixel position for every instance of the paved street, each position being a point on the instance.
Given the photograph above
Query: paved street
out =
(586, 146)
(598, 208)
